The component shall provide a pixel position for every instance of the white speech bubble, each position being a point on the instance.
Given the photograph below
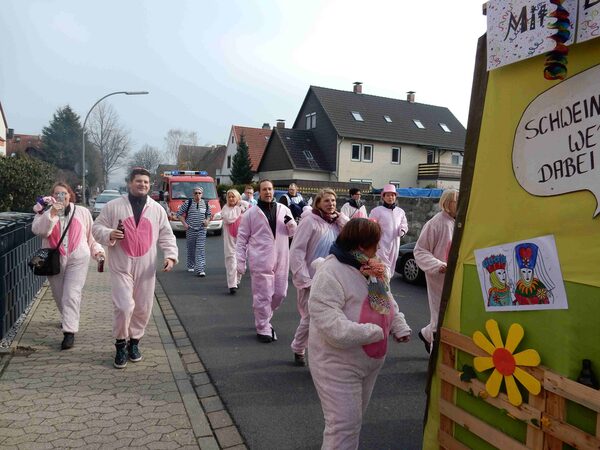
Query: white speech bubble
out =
(557, 143)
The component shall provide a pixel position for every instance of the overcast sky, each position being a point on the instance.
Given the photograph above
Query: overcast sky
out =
(211, 64)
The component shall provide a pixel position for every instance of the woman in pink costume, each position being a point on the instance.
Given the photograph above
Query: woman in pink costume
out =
(431, 255)
(263, 239)
(232, 216)
(317, 231)
(393, 224)
(75, 250)
(352, 313)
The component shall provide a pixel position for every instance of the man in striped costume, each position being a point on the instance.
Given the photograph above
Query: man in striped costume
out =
(195, 215)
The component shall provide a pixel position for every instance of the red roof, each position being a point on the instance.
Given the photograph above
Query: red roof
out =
(256, 138)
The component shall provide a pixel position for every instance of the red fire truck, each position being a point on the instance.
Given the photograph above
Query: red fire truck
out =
(177, 186)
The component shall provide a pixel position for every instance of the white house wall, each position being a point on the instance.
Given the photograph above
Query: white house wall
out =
(224, 173)
(381, 170)
(2, 136)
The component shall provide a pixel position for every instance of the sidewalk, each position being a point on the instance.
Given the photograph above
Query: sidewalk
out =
(76, 399)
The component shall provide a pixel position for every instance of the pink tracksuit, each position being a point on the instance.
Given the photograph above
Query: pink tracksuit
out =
(268, 261)
(347, 344)
(132, 261)
(312, 240)
(393, 226)
(431, 253)
(74, 259)
(232, 217)
(352, 213)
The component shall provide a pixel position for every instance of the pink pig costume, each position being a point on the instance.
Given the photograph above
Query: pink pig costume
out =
(393, 226)
(232, 217)
(347, 343)
(74, 259)
(268, 261)
(132, 261)
(312, 240)
(431, 253)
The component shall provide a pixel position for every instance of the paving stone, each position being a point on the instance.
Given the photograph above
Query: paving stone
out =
(200, 378)
(219, 419)
(10, 432)
(69, 443)
(211, 404)
(100, 438)
(238, 447)
(208, 443)
(228, 436)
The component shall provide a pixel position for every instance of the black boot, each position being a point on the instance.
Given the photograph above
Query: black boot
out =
(121, 356)
(68, 341)
(134, 351)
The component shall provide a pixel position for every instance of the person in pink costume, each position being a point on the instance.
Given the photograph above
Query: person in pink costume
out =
(75, 250)
(132, 260)
(263, 240)
(393, 224)
(352, 313)
(317, 231)
(354, 209)
(232, 216)
(431, 254)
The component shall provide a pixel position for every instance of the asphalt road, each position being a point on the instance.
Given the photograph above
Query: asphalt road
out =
(273, 402)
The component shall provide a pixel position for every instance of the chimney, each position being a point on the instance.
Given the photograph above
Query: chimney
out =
(266, 126)
(280, 123)
(358, 87)
(410, 96)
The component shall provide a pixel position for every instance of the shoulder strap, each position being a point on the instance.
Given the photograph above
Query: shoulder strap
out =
(189, 204)
(67, 227)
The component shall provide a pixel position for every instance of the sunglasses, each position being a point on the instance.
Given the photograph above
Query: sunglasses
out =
(197, 193)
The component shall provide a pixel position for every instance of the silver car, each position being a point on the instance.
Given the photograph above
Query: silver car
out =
(102, 200)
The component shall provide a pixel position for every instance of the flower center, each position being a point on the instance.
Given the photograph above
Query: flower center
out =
(504, 361)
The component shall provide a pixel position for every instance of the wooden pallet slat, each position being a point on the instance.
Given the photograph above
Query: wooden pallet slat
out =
(569, 434)
(572, 390)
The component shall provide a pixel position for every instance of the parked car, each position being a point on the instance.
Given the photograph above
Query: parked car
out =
(102, 200)
(407, 266)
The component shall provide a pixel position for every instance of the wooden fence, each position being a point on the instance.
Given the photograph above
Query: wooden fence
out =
(544, 414)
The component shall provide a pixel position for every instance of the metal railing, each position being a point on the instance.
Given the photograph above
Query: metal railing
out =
(439, 171)
(18, 284)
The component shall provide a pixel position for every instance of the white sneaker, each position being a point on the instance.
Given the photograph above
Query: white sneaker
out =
(202, 274)
(190, 270)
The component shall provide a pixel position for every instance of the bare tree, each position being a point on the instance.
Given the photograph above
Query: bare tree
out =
(147, 157)
(109, 137)
(175, 138)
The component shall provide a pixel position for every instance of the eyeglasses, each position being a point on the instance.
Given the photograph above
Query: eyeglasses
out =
(197, 193)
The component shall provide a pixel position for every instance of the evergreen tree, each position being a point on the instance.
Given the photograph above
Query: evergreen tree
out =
(62, 139)
(241, 167)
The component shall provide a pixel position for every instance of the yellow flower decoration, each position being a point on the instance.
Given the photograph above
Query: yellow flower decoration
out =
(505, 363)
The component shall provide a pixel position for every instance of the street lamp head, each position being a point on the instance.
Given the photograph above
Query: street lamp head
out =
(136, 92)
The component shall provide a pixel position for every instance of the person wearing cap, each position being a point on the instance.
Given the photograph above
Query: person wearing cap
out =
(354, 209)
(131, 227)
(431, 255)
(195, 216)
(394, 225)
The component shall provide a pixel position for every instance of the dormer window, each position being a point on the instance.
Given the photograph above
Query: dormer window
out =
(388, 119)
(357, 116)
(419, 124)
(444, 127)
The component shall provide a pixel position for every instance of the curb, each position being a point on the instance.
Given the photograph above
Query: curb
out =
(211, 423)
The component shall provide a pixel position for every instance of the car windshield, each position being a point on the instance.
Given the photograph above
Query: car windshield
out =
(185, 189)
(105, 198)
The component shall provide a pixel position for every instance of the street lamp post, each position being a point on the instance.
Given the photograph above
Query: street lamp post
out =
(83, 135)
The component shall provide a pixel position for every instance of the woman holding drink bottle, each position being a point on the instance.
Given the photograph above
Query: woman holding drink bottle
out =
(78, 244)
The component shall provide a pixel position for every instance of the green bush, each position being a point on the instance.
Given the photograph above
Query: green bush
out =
(22, 180)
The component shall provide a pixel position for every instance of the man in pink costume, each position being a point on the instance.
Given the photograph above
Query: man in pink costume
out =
(431, 255)
(318, 229)
(75, 251)
(263, 239)
(132, 260)
(354, 209)
(393, 224)
(352, 313)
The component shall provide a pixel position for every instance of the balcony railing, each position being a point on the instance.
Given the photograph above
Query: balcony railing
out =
(439, 171)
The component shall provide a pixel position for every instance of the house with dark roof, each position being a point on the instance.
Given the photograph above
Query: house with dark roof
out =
(351, 137)
(25, 144)
(256, 139)
(196, 157)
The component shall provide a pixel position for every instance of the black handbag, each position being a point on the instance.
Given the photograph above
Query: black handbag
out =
(46, 261)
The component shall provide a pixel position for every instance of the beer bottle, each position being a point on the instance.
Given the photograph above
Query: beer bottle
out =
(121, 228)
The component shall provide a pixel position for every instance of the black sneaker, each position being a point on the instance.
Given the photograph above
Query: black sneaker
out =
(299, 360)
(232, 291)
(425, 342)
(121, 356)
(134, 351)
(68, 341)
(264, 338)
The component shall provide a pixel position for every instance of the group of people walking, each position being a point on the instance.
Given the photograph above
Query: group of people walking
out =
(341, 265)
